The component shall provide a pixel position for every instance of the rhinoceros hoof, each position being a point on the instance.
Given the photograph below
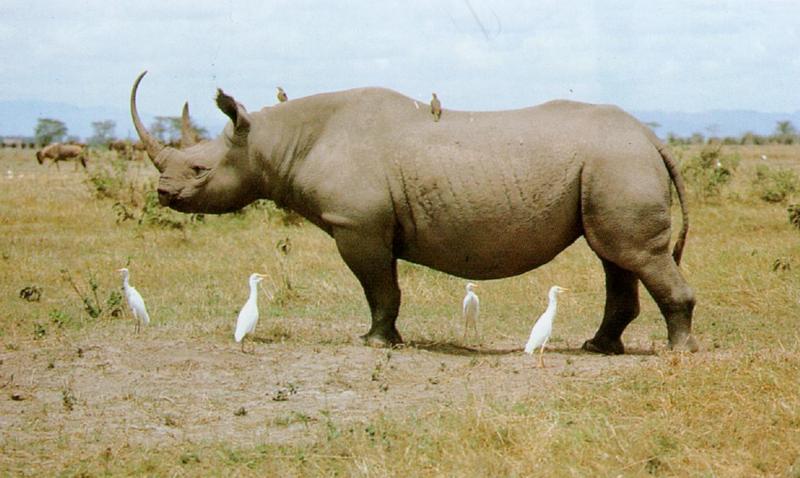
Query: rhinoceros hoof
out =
(382, 340)
(685, 344)
(606, 347)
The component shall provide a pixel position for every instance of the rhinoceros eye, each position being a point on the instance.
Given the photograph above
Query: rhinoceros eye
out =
(198, 170)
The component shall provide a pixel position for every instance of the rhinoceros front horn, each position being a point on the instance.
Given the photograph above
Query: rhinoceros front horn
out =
(152, 145)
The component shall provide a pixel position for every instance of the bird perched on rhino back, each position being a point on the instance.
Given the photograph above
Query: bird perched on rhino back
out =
(282, 97)
(436, 107)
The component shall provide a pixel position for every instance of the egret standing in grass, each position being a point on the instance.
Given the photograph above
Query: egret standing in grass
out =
(471, 310)
(135, 301)
(248, 316)
(543, 327)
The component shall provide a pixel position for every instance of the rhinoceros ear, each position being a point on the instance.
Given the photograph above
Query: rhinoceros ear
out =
(235, 111)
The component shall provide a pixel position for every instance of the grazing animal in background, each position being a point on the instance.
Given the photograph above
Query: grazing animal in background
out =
(135, 301)
(436, 107)
(540, 333)
(248, 316)
(485, 195)
(282, 98)
(119, 145)
(470, 310)
(62, 152)
(123, 148)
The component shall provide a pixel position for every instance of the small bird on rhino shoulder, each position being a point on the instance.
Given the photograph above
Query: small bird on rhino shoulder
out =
(282, 97)
(436, 107)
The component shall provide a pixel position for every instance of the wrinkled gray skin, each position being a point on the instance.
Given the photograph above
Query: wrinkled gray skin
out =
(476, 195)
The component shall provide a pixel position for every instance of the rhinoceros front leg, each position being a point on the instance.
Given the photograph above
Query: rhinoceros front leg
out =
(372, 262)
(622, 306)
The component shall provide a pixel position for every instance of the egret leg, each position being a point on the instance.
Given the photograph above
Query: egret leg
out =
(373, 264)
(541, 354)
(622, 306)
(243, 344)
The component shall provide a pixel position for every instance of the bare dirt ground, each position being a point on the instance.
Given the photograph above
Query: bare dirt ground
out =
(146, 390)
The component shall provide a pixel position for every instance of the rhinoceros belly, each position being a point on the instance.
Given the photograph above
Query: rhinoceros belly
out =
(497, 227)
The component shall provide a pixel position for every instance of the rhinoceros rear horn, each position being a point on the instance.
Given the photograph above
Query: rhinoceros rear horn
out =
(152, 145)
(187, 135)
(235, 111)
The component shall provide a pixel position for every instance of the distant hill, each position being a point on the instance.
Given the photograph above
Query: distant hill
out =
(18, 118)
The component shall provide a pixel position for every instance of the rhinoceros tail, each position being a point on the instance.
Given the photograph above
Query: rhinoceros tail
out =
(677, 179)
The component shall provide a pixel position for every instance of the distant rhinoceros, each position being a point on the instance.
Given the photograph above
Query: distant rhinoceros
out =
(477, 195)
(62, 152)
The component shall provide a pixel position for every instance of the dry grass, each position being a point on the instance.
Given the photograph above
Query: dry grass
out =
(731, 410)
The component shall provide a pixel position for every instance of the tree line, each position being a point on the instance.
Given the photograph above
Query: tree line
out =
(166, 128)
(784, 133)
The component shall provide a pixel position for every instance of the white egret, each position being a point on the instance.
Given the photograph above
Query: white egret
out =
(543, 327)
(248, 316)
(471, 309)
(135, 301)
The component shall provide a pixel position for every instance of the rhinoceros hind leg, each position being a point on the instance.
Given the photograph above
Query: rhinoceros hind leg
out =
(622, 306)
(675, 299)
(382, 338)
(375, 268)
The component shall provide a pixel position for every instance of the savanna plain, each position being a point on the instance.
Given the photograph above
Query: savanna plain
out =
(81, 394)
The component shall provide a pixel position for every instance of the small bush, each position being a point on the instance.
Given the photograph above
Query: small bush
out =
(39, 331)
(109, 179)
(775, 186)
(275, 214)
(707, 173)
(794, 215)
(91, 300)
(59, 318)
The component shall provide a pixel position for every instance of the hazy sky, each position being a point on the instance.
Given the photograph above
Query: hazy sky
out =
(675, 55)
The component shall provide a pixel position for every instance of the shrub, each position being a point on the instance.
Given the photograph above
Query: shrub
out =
(775, 185)
(794, 215)
(707, 173)
(91, 300)
(275, 214)
(109, 179)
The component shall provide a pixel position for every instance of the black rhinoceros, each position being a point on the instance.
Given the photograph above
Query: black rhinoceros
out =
(477, 195)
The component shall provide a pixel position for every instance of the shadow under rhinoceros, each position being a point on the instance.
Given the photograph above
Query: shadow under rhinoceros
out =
(451, 348)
